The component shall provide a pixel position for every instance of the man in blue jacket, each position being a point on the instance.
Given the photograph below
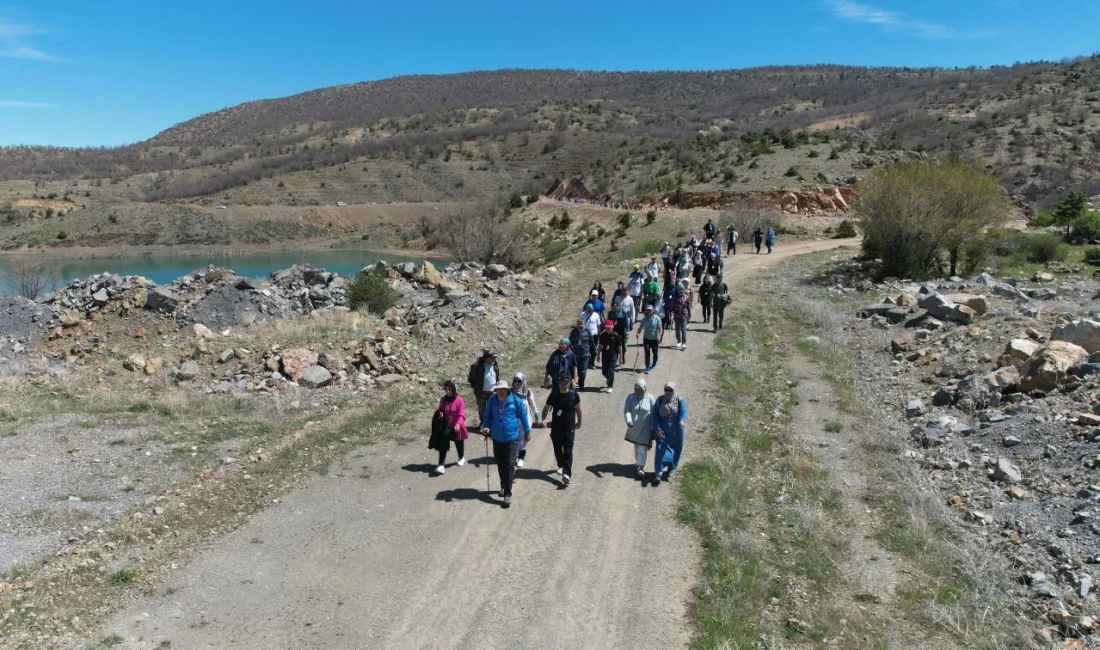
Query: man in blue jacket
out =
(505, 419)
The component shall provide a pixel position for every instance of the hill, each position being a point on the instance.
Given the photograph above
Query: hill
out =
(417, 140)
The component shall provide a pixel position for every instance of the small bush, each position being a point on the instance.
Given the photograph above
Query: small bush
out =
(846, 230)
(1043, 220)
(650, 217)
(553, 249)
(113, 218)
(123, 577)
(1087, 226)
(1092, 256)
(370, 291)
(1042, 249)
(62, 235)
(791, 172)
(625, 220)
(813, 154)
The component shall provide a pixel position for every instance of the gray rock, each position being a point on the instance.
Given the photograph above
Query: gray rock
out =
(162, 301)
(985, 279)
(914, 408)
(247, 284)
(188, 371)
(495, 271)
(225, 356)
(1084, 585)
(1084, 333)
(1006, 471)
(1010, 292)
(100, 297)
(943, 397)
(1042, 293)
(315, 377)
(1010, 441)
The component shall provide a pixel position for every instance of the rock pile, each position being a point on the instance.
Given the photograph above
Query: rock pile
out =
(1003, 405)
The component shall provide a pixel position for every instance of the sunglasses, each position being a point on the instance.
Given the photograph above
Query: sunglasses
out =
(669, 390)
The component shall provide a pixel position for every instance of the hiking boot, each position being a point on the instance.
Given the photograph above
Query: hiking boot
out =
(461, 462)
(519, 462)
(440, 470)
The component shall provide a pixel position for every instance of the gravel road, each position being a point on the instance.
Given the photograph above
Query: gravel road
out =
(378, 554)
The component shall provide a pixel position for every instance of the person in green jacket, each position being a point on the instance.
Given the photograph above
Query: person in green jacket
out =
(651, 292)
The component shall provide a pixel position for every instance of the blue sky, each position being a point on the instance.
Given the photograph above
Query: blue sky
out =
(87, 72)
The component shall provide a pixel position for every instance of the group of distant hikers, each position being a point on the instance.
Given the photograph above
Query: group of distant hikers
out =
(642, 305)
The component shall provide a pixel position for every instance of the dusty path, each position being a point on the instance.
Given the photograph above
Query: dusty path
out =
(380, 555)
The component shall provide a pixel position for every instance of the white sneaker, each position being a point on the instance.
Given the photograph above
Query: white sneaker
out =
(441, 470)
(557, 471)
(610, 390)
(519, 462)
(565, 479)
(461, 462)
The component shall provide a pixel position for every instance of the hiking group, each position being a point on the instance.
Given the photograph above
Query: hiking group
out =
(509, 412)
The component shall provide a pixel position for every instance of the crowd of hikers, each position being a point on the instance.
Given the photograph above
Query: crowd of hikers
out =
(654, 298)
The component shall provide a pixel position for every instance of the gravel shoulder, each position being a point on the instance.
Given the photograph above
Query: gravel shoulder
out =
(379, 554)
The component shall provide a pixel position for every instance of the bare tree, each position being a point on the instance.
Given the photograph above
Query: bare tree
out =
(29, 277)
(481, 233)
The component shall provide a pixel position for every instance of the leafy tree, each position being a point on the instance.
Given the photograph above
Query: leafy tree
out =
(625, 220)
(913, 214)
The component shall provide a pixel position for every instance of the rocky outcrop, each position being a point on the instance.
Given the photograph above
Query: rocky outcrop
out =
(1084, 333)
(1050, 366)
(569, 189)
(802, 202)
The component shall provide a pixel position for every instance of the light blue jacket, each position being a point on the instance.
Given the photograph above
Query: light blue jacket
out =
(505, 426)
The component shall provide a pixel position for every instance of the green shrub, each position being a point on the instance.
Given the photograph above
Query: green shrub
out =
(1092, 256)
(791, 172)
(516, 201)
(650, 217)
(1041, 249)
(1043, 220)
(1087, 226)
(123, 577)
(62, 235)
(553, 249)
(625, 220)
(637, 249)
(370, 291)
(846, 230)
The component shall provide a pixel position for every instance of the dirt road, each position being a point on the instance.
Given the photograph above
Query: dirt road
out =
(381, 555)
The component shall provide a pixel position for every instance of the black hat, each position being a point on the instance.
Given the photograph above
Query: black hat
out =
(490, 354)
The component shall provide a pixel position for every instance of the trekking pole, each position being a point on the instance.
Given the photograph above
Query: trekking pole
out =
(636, 354)
(488, 487)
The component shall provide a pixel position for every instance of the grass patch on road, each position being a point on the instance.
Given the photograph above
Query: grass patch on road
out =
(771, 524)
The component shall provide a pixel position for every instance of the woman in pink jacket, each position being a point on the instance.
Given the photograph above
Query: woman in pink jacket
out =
(454, 414)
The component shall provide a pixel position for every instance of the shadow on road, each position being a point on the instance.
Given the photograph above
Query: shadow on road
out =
(614, 469)
(419, 468)
(536, 475)
(466, 494)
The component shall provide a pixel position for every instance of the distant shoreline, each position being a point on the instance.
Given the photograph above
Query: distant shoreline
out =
(161, 251)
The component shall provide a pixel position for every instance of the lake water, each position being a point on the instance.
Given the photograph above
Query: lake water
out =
(164, 270)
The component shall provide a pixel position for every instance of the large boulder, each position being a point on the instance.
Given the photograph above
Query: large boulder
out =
(1084, 333)
(295, 360)
(1050, 365)
(427, 274)
(977, 303)
(162, 301)
(1003, 380)
(495, 271)
(315, 377)
(942, 308)
(1021, 349)
(1010, 292)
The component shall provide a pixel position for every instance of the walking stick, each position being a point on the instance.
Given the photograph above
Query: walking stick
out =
(488, 487)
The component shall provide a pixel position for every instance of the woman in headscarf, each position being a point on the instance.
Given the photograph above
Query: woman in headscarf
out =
(681, 313)
(527, 396)
(638, 412)
(453, 409)
(668, 425)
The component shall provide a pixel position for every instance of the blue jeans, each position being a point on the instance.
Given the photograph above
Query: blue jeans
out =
(610, 361)
(582, 370)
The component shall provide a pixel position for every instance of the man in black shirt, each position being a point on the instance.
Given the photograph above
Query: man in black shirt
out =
(566, 405)
(562, 362)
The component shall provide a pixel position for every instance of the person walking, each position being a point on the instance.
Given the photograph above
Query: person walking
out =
(758, 239)
(698, 264)
(683, 267)
(565, 404)
(731, 240)
(534, 421)
(653, 269)
(651, 332)
(505, 419)
(652, 292)
(628, 312)
(563, 363)
(719, 300)
(611, 350)
(596, 302)
(597, 286)
(681, 314)
(705, 296)
(715, 264)
(709, 230)
(581, 343)
(769, 240)
(634, 285)
(668, 426)
(638, 413)
(483, 375)
(592, 322)
(452, 421)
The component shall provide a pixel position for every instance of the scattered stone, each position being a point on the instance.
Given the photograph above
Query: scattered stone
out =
(1083, 333)
(1050, 365)
(187, 371)
(914, 408)
(1006, 471)
(296, 360)
(134, 362)
(162, 301)
(315, 377)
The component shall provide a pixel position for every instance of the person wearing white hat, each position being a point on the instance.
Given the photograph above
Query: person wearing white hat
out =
(669, 417)
(505, 419)
(638, 413)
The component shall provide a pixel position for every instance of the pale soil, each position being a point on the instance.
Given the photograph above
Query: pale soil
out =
(379, 554)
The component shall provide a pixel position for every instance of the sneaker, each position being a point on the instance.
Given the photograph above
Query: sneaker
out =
(441, 470)
(610, 389)
(500, 493)
(684, 346)
(647, 370)
(656, 478)
(519, 462)
(461, 462)
(565, 479)
(668, 475)
(557, 471)
(508, 501)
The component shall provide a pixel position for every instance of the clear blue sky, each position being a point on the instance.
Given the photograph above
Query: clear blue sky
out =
(88, 72)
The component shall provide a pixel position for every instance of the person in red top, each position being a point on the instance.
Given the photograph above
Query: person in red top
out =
(454, 417)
